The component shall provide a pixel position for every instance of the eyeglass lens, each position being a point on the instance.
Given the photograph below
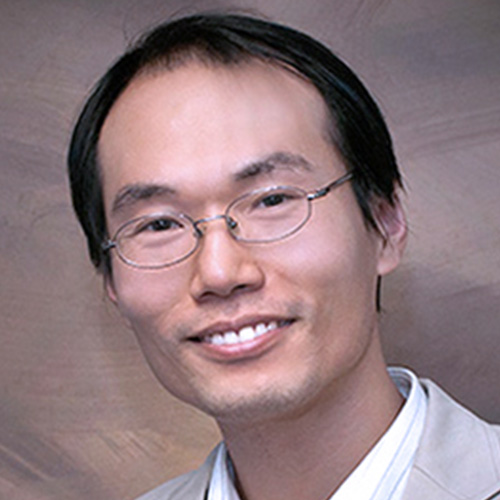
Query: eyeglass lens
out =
(261, 216)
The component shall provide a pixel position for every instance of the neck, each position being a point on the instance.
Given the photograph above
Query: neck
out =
(309, 454)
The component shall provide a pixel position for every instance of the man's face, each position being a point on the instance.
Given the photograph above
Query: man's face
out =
(199, 137)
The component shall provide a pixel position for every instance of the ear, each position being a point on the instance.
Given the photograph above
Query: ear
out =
(391, 221)
(110, 288)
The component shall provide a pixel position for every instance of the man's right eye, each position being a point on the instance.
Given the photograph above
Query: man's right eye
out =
(160, 224)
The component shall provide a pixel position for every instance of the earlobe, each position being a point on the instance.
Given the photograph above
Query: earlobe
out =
(391, 220)
(110, 288)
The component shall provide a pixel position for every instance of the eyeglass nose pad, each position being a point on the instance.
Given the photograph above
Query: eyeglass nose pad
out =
(197, 232)
(231, 223)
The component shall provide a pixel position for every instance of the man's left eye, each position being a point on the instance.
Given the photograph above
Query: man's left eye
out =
(273, 199)
(280, 197)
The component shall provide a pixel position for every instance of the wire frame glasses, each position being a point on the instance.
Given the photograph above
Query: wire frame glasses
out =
(265, 215)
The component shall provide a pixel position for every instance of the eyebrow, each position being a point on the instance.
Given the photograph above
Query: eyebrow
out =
(273, 162)
(132, 193)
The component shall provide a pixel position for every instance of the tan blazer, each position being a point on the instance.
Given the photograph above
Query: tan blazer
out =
(458, 459)
(458, 456)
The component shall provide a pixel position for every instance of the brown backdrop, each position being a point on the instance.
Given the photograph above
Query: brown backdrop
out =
(81, 417)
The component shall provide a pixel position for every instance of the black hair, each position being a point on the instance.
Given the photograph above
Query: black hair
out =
(357, 128)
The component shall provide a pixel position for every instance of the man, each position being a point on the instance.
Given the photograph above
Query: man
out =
(239, 193)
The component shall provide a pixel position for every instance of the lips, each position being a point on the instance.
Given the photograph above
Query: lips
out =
(226, 335)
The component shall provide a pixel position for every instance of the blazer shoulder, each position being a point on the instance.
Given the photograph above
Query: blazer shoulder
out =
(459, 453)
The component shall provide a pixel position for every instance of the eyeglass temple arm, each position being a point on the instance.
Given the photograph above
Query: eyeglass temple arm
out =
(325, 190)
(107, 245)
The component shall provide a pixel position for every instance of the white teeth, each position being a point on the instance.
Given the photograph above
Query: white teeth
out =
(245, 334)
(260, 329)
(231, 338)
(217, 339)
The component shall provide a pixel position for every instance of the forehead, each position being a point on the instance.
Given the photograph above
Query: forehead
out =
(199, 124)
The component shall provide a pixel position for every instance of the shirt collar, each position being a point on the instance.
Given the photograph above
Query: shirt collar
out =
(222, 480)
(382, 474)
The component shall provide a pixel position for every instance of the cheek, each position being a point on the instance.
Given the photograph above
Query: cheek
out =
(147, 296)
(330, 266)
(151, 302)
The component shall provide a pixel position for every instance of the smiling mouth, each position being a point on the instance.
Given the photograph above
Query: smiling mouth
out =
(244, 334)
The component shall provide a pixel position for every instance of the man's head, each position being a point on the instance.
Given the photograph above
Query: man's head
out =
(356, 127)
(203, 114)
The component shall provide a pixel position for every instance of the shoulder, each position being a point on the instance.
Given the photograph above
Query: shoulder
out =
(459, 453)
(445, 414)
(192, 485)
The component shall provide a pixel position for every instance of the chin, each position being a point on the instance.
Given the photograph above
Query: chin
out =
(272, 402)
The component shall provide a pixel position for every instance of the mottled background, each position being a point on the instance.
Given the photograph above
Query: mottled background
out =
(81, 417)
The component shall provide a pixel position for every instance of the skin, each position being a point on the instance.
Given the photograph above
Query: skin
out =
(318, 379)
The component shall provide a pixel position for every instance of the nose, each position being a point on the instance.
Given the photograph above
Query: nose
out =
(222, 266)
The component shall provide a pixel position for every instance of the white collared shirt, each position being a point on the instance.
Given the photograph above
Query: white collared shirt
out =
(383, 473)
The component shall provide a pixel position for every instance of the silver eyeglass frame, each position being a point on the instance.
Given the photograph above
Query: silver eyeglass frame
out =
(112, 243)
